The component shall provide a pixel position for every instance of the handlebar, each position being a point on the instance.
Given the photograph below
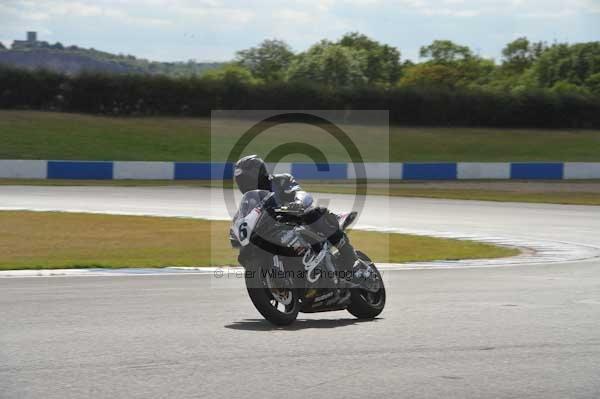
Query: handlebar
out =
(289, 215)
(284, 210)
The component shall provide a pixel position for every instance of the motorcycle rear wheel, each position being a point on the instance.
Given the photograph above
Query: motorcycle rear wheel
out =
(269, 302)
(365, 304)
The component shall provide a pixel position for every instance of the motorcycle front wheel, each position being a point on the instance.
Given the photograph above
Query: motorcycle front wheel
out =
(278, 306)
(365, 304)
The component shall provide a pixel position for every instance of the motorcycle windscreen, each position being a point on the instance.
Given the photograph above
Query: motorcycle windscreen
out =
(249, 201)
(249, 211)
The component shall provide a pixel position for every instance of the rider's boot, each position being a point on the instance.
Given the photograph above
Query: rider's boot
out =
(351, 268)
(345, 255)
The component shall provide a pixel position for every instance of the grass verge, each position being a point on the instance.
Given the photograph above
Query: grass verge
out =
(50, 240)
(50, 135)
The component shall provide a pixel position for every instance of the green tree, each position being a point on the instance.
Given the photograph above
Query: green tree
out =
(462, 66)
(520, 54)
(329, 64)
(268, 61)
(474, 72)
(382, 62)
(445, 52)
(430, 75)
(566, 88)
(570, 63)
(230, 74)
(2, 47)
(593, 83)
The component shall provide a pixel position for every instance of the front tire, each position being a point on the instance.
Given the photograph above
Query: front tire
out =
(365, 304)
(279, 307)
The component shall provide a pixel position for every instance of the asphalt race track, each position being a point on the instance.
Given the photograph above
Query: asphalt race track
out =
(527, 328)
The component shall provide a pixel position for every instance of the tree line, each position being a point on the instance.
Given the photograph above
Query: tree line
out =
(356, 60)
(535, 85)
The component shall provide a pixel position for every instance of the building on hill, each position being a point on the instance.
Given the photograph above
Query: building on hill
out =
(30, 42)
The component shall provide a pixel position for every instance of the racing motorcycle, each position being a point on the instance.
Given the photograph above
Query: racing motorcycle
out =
(289, 268)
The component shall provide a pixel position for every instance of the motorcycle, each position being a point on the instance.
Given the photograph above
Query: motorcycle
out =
(289, 268)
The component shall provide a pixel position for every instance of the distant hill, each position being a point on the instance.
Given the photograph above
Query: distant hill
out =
(73, 60)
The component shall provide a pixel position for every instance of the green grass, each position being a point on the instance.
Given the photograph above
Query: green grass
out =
(47, 135)
(50, 240)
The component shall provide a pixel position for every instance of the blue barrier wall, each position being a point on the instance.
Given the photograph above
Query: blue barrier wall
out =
(203, 171)
(308, 171)
(80, 170)
(429, 171)
(536, 171)
(95, 170)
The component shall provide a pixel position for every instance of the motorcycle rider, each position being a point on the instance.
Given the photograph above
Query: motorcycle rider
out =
(250, 173)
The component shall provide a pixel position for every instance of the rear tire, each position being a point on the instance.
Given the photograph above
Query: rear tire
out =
(264, 300)
(365, 304)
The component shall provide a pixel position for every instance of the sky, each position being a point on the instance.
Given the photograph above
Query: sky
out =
(213, 30)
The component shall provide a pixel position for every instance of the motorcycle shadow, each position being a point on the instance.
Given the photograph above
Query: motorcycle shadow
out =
(300, 324)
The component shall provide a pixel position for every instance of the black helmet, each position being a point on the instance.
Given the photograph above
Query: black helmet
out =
(251, 174)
